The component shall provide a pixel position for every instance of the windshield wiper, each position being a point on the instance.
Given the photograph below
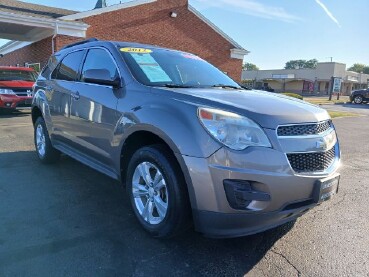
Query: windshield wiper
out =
(176, 86)
(225, 86)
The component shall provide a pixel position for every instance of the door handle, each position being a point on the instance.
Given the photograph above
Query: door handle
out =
(75, 95)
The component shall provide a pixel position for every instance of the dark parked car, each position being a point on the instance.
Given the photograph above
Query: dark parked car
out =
(188, 142)
(360, 96)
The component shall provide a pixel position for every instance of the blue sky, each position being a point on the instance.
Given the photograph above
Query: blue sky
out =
(278, 31)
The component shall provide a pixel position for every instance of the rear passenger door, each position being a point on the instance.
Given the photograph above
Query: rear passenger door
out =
(58, 91)
(93, 109)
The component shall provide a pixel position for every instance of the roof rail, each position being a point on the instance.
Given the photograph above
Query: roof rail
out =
(80, 42)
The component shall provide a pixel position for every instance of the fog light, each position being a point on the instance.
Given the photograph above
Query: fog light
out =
(240, 194)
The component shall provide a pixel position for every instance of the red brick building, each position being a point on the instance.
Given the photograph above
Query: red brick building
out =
(36, 31)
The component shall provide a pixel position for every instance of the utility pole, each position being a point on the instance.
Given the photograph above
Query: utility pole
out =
(331, 58)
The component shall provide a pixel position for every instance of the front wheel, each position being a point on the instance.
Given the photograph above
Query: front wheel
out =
(358, 99)
(158, 192)
(45, 151)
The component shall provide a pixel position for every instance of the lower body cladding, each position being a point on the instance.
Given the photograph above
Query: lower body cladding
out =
(237, 193)
(13, 102)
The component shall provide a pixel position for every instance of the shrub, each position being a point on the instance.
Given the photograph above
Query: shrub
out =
(294, 95)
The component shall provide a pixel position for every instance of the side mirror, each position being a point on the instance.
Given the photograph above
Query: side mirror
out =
(100, 77)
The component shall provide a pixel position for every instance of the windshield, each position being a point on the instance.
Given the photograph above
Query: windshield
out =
(160, 67)
(17, 75)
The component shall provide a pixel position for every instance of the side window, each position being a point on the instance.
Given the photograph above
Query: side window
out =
(100, 59)
(47, 68)
(68, 68)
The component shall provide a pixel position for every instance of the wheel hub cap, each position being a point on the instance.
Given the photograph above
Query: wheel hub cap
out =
(40, 140)
(150, 193)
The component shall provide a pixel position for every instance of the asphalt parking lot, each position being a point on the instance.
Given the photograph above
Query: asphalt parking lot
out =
(349, 107)
(68, 220)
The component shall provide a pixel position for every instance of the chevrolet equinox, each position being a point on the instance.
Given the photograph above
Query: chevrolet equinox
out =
(189, 144)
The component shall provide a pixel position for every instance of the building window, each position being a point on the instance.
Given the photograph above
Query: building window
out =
(35, 66)
(308, 87)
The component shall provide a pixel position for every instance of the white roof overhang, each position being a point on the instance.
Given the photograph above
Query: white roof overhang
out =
(24, 30)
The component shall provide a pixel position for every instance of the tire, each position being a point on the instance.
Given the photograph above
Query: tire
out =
(159, 200)
(45, 151)
(358, 99)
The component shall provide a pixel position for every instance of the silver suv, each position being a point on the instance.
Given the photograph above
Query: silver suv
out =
(189, 143)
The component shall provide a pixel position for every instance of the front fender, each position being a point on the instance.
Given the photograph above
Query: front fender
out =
(173, 121)
(40, 101)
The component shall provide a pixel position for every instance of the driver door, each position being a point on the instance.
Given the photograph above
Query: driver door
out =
(93, 109)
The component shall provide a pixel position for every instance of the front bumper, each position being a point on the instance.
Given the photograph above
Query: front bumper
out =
(230, 225)
(269, 172)
(13, 101)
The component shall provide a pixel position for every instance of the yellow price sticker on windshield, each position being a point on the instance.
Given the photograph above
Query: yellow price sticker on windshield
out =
(135, 50)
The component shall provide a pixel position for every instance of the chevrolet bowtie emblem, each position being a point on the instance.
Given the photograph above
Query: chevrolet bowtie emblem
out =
(321, 144)
(327, 141)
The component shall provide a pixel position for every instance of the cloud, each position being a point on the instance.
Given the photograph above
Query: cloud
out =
(253, 8)
(330, 15)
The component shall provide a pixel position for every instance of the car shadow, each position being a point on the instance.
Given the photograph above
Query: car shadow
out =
(16, 113)
(67, 217)
(355, 106)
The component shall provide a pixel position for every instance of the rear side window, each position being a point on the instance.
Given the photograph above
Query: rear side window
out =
(69, 67)
(51, 64)
(100, 59)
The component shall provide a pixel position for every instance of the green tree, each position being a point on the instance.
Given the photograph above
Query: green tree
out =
(250, 66)
(299, 64)
(359, 67)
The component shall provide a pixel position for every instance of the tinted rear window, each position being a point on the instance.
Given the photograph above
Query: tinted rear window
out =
(17, 75)
(49, 67)
(69, 67)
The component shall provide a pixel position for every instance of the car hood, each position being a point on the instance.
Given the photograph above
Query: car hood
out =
(267, 109)
(16, 84)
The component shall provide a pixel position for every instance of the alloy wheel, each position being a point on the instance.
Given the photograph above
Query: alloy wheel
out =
(40, 140)
(150, 193)
(358, 99)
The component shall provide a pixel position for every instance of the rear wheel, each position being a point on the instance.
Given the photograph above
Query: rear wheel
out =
(358, 99)
(45, 151)
(158, 192)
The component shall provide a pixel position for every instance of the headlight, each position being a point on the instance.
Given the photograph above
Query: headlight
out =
(6, 91)
(233, 130)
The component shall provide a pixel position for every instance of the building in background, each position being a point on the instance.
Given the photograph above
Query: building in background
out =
(36, 31)
(307, 81)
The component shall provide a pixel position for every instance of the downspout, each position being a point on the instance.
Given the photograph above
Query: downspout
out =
(54, 36)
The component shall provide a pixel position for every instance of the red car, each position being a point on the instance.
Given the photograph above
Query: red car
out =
(16, 87)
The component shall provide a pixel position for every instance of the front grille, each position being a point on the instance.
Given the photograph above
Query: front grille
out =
(304, 129)
(312, 162)
(24, 104)
(22, 91)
